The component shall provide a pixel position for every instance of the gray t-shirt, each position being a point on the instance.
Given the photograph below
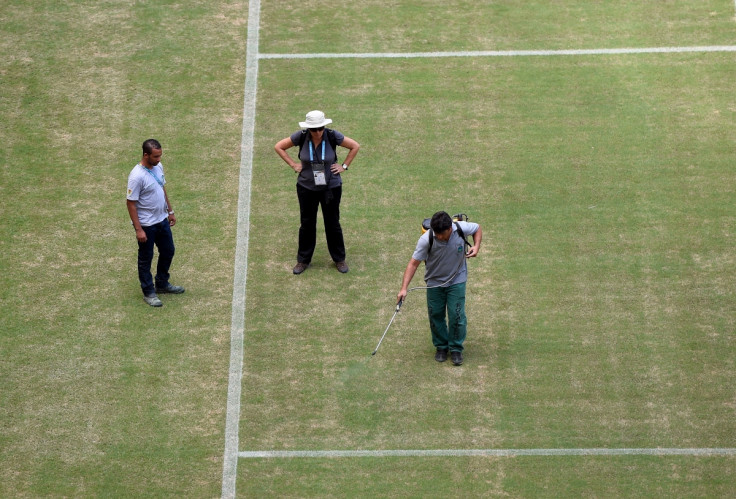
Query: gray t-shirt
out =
(145, 187)
(446, 256)
(326, 155)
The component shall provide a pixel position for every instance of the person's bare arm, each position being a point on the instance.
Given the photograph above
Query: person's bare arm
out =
(281, 147)
(140, 234)
(172, 217)
(475, 248)
(353, 148)
(411, 269)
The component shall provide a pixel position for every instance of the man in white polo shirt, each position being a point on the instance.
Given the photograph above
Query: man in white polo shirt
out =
(152, 216)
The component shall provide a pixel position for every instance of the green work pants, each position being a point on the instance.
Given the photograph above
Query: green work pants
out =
(447, 303)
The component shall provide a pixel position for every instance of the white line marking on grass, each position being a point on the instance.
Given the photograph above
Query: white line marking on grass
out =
(490, 453)
(503, 53)
(232, 422)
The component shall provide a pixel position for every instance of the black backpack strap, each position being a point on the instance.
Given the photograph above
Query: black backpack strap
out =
(459, 232)
(462, 234)
(302, 140)
(331, 137)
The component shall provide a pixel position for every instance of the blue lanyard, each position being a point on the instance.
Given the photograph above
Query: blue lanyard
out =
(154, 176)
(311, 148)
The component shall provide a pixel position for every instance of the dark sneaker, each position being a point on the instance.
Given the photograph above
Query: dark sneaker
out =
(152, 300)
(171, 289)
(300, 267)
(457, 358)
(441, 355)
(342, 267)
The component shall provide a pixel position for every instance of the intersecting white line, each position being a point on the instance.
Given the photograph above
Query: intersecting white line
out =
(233, 413)
(656, 451)
(237, 328)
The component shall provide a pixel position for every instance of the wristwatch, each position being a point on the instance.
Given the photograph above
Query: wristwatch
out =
(344, 166)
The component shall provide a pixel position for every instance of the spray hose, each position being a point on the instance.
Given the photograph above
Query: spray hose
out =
(457, 271)
(398, 305)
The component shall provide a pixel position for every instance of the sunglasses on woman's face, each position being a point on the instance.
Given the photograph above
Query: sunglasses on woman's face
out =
(317, 129)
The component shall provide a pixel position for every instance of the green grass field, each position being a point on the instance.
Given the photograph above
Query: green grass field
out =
(601, 308)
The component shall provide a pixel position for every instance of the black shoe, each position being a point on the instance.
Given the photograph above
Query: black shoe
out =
(170, 288)
(441, 355)
(457, 358)
(300, 267)
(342, 267)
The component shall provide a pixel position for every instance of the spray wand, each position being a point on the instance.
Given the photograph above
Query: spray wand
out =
(398, 307)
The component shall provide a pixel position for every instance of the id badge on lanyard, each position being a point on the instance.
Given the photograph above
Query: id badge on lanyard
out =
(318, 167)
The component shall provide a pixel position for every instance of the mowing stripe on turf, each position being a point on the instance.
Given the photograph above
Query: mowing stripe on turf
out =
(231, 454)
(503, 53)
(491, 453)
(232, 421)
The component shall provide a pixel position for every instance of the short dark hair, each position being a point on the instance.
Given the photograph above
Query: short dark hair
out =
(440, 222)
(150, 145)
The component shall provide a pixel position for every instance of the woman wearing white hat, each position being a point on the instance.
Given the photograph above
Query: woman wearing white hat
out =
(319, 183)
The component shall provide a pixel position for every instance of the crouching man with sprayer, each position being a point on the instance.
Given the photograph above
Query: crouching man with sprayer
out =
(442, 249)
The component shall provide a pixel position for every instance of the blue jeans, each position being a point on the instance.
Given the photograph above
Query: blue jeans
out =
(159, 235)
(448, 335)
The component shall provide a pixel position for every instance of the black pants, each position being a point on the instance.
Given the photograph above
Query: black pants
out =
(159, 235)
(309, 203)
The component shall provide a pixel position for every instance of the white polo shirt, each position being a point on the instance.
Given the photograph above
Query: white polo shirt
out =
(145, 187)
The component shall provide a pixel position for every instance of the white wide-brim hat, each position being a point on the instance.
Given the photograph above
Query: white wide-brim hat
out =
(315, 119)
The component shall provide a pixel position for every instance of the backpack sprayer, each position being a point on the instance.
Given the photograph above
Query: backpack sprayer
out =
(460, 217)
